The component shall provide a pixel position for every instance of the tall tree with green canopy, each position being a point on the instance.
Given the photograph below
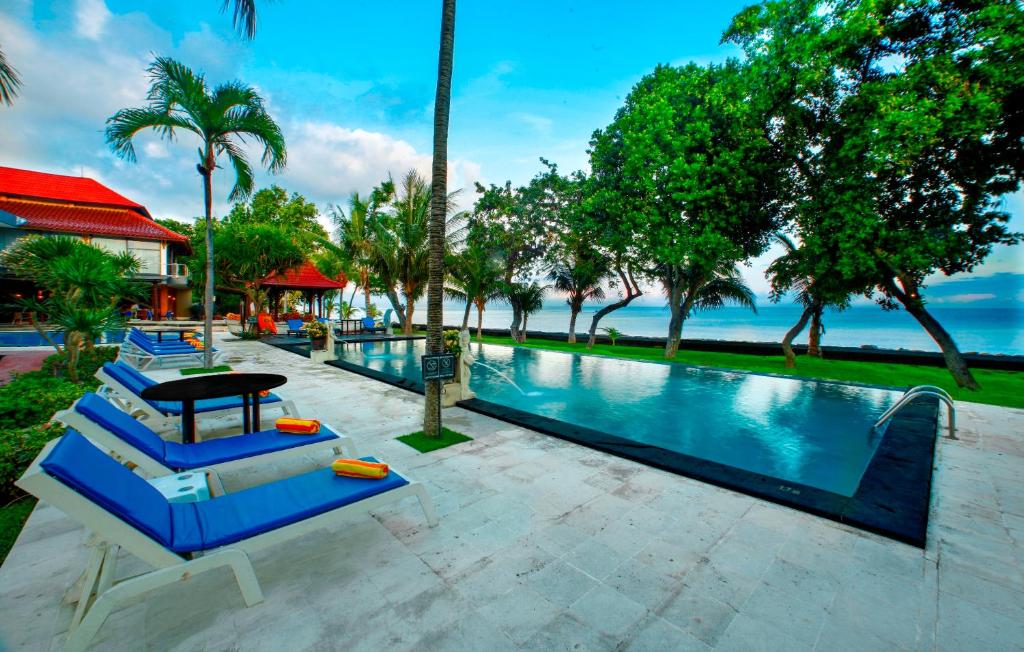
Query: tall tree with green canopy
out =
(221, 118)
(685, 167)
(10, 81)
(474, 273)
(246, 252)
(274, 205)
(905, 124)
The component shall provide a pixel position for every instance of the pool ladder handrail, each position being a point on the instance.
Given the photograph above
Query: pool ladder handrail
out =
(924, 390)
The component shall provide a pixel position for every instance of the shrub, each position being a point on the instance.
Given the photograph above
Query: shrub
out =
(89, 360)
(32, 398)
(18, 447)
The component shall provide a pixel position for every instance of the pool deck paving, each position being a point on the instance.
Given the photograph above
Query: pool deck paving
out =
(547, 545)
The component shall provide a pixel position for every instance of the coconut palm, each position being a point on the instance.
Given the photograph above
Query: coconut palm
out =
(10, 82)
(180, 100)
(474, 276)
(530, 298)
(579, 276)
(243, 16)
(354, 232)
(698, 287)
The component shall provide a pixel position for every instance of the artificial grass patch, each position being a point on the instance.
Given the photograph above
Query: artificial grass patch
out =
(194, 371)
(1004, 388)
(424, 444)
(12, 519)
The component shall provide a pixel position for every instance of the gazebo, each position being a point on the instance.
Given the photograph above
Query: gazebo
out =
(306, 279)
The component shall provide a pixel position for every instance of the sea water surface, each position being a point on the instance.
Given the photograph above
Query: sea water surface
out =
(983, 330)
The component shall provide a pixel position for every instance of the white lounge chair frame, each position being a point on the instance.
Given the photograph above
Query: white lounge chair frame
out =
(125, 452)
(141, 359)
(111, 533)
(124, 398)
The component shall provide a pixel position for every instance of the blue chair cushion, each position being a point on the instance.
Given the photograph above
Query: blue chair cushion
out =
(87, 470)
(130, 378)
(102, 413)
(226, 449)
(248, 513)
(295, 325)
(173, 408)
(368, 322)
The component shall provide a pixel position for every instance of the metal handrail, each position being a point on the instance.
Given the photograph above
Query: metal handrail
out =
(924, 390)
(177, 269)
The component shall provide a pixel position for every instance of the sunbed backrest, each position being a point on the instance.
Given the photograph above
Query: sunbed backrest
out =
(295, 324)
(368, 322)
(127, 376)
(104, 414)
(84, 468)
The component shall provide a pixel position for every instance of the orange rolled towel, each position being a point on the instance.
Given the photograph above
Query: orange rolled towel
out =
(265, 393)
(295, 426)
(360, 469)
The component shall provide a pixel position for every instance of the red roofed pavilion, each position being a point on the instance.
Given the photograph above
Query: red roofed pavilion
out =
(307, 279)
(42, 203)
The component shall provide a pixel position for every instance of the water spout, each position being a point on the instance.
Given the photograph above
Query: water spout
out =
(507, 379)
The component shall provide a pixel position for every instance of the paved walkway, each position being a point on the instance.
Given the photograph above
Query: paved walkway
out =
(14, 361)
(545, 545)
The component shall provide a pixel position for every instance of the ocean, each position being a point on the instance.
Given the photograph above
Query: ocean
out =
(982, 330)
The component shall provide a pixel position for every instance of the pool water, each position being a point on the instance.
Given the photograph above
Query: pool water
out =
(33, 338)
(812, 433)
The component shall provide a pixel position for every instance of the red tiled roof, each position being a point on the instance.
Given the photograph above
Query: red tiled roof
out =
(305, 277)
(59, 187)
(87, 220)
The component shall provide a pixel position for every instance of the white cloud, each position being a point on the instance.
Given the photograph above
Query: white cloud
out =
(91, 18)
(964, 298)
(538, 123)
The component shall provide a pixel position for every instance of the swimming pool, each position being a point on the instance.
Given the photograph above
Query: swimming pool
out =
(811, 433)
(33, 338)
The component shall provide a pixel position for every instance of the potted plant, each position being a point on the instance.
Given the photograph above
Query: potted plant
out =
(317, 333)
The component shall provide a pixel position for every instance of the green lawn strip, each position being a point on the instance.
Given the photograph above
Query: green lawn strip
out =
(194, 371)
(12, 518)
(424, 444)
(1004, 388)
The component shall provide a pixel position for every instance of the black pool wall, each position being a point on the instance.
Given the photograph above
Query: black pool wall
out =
(857, 354)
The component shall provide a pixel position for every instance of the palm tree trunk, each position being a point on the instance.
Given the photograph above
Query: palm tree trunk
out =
(208, 293)
(396, 305)
(675, 302)
(787, 341)
(910, 297)
(465, 315)
(364, 280)
(479, 322)
(814, 337)
(573, 312)
(632, 292)
(409, 307)
(438, 213)
(517, 319)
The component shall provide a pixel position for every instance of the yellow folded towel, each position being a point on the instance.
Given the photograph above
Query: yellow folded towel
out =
(360, 469)
(295, 426)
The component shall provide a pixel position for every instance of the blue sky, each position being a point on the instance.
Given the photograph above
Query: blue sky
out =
(352, 84)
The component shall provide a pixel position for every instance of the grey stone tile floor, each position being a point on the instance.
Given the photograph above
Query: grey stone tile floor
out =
(546, 545)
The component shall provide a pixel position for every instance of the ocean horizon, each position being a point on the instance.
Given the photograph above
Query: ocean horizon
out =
(980, 330)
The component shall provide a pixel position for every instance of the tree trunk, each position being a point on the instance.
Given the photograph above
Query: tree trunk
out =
(674, 288)
(396, 305)
(364, 276)
(479, 322)
(517, 319)
(814, 337)
(955, 363)
(465, 315)
(207, 173)
(632, 292)
(438, 213)
(787, 341)
(409, 308)
(573, 312)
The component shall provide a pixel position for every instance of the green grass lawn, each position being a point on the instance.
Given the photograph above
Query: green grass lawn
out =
(12, 518)
(998, 387)
(425, 444)
(194, 371)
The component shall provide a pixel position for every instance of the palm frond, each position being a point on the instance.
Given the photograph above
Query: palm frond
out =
(10, 81)
(123, 126)
(243, 171)
(243, 16)
(254, 122)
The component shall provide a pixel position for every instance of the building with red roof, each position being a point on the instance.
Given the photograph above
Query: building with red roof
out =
(41, 203)
(305, 278)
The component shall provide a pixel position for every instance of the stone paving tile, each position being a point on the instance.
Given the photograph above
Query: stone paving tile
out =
(547, 545)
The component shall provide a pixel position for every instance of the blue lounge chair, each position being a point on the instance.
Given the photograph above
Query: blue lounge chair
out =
(370, 327)
(123, 386)
(132, 441)
(296, 327)
(139, 350)
(181, 540)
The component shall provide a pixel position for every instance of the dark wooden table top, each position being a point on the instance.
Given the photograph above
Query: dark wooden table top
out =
(212, 386)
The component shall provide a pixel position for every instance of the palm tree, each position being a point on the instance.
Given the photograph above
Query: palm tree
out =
(439, 210)
(179, 100)
(10, 82)
(699, 287)
(579, 276)
(474, 275)
(354, 232)
(530, 298)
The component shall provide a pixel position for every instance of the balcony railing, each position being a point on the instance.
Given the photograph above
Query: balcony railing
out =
(177, 269)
